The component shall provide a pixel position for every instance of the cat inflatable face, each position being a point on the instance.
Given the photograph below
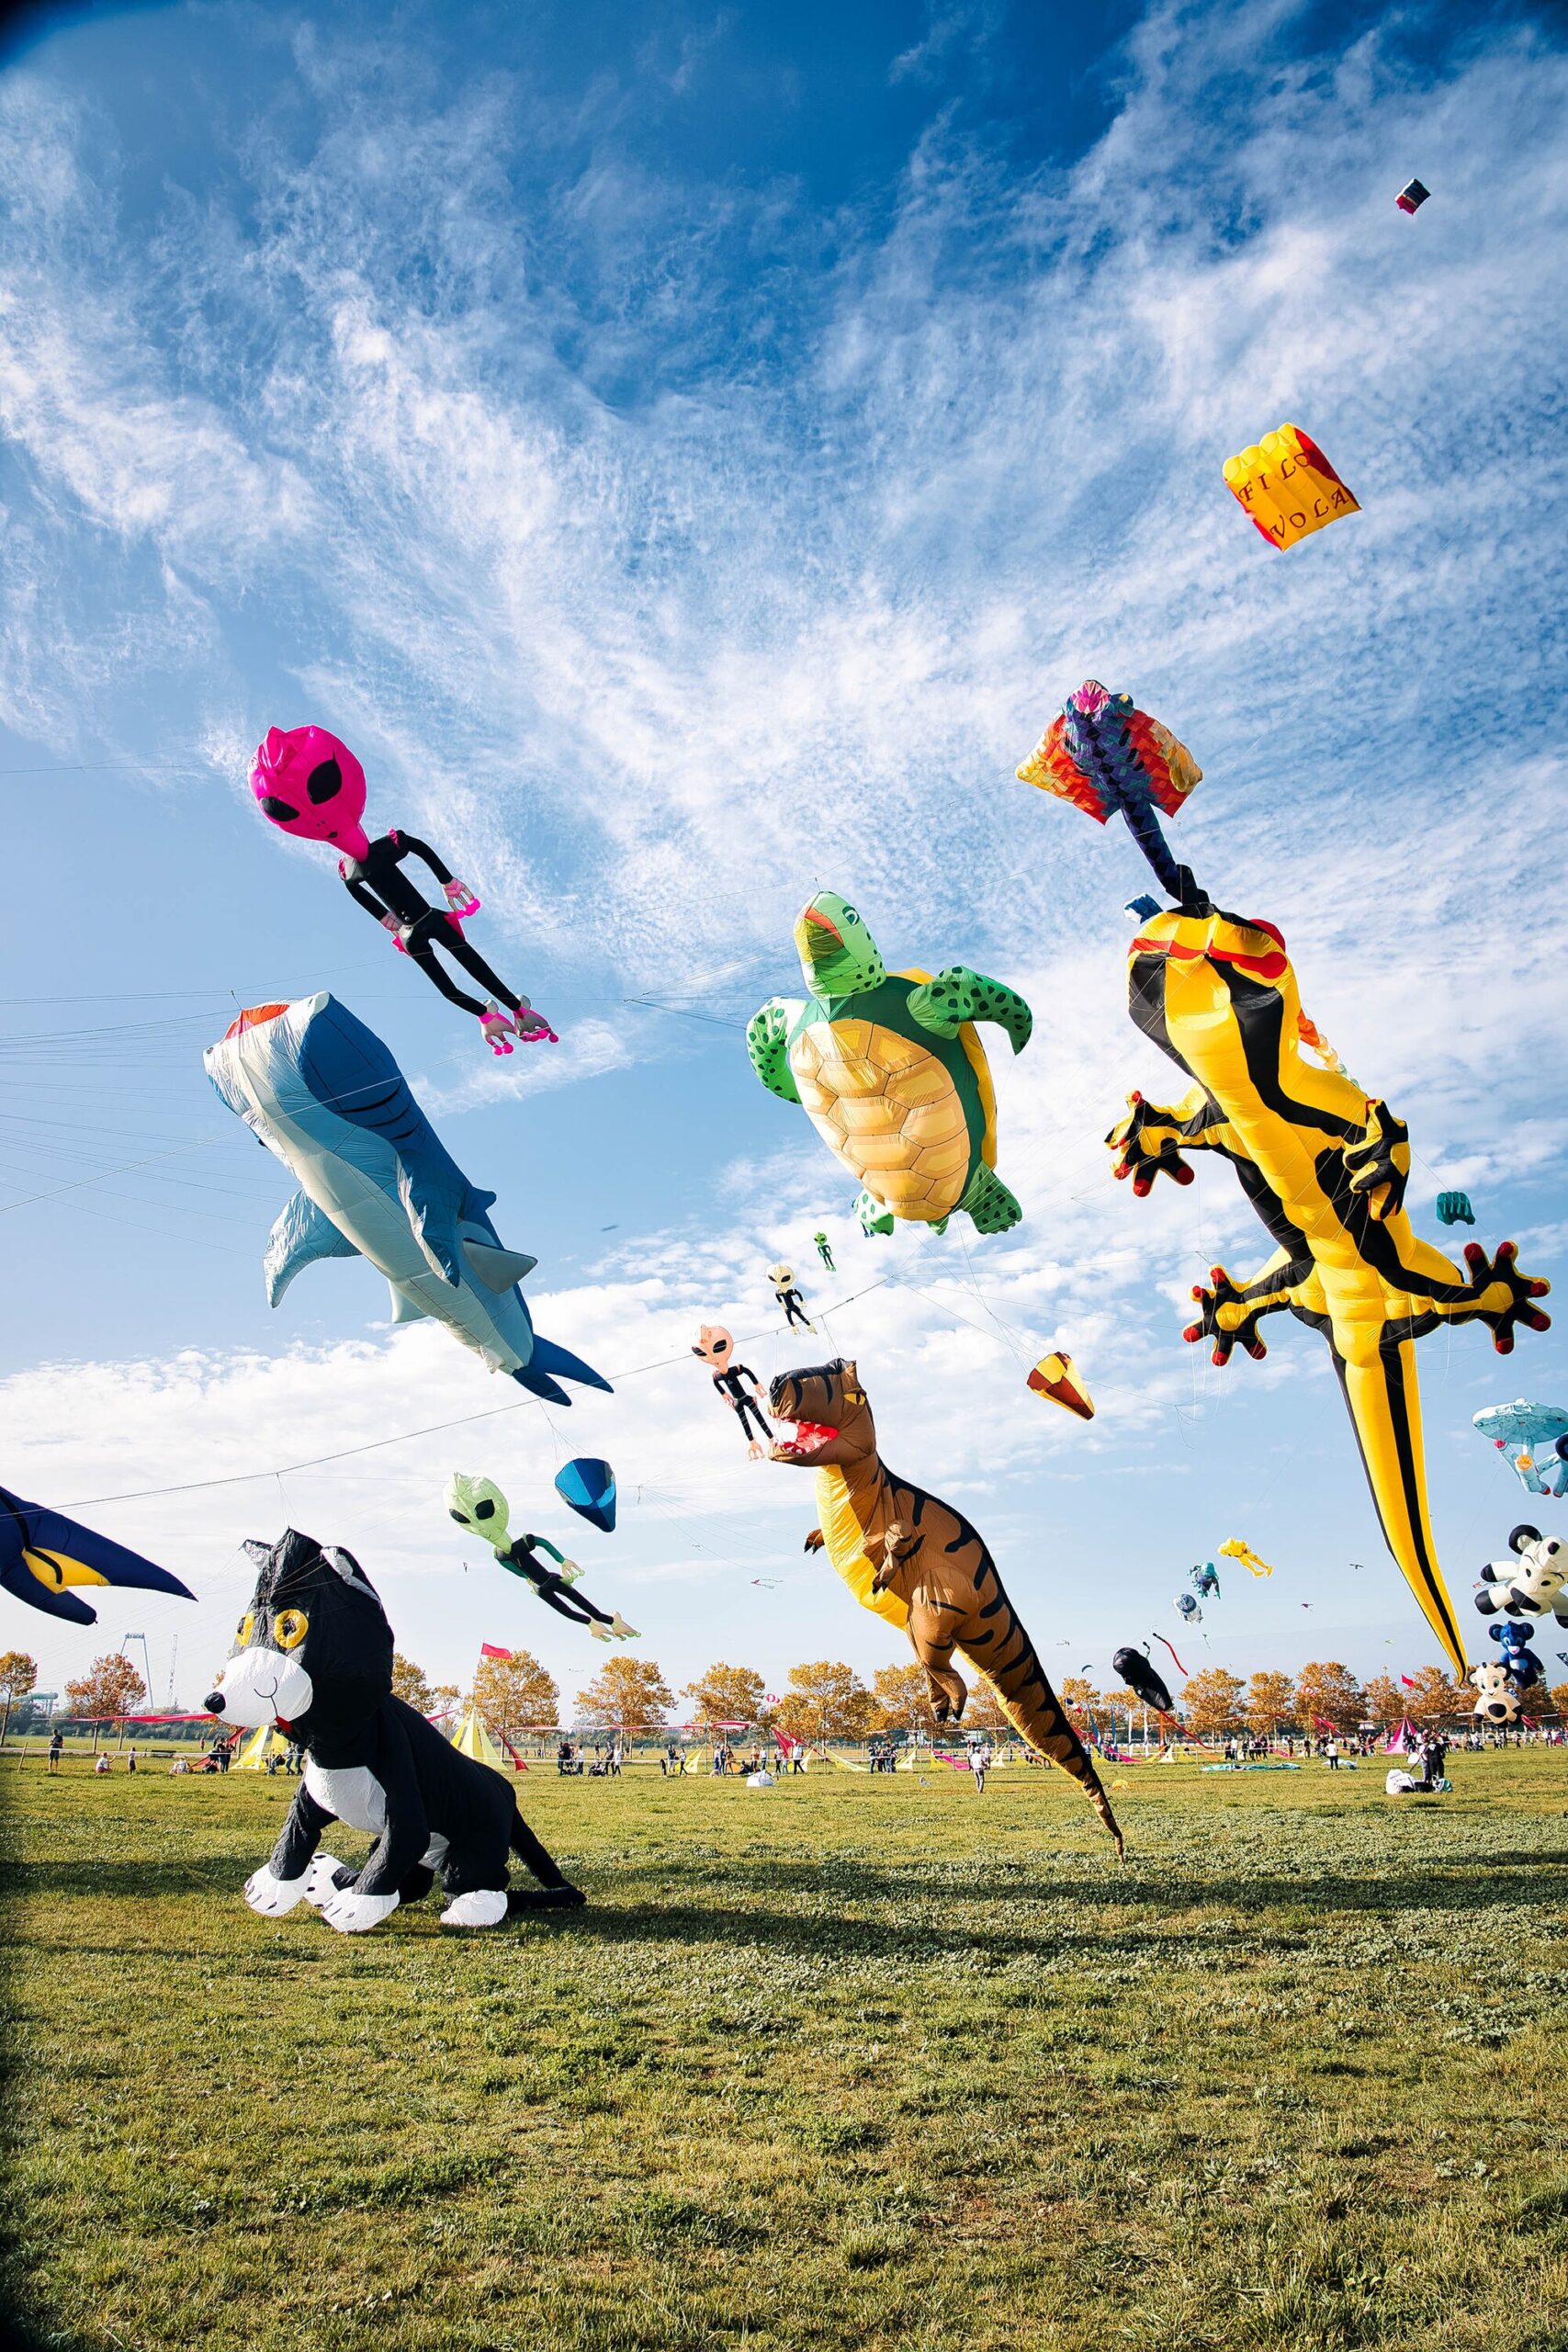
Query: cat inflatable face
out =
(310, 783)
(313, 1650)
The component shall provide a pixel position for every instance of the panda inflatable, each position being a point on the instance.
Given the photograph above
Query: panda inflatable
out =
(1533, 1582)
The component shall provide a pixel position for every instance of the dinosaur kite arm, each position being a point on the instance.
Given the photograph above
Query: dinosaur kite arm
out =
(1150, 1140)
(957, 995)
(1229, 1314)
(1378, 1162)
(767, 1043)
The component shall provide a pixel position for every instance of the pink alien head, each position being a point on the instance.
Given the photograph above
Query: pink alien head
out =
(311, 785)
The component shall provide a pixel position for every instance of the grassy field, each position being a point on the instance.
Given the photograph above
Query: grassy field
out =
(850, 2062)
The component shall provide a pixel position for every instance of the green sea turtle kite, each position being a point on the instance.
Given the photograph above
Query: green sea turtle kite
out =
(890, 1072)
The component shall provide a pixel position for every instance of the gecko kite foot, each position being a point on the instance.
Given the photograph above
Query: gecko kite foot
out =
(1378, 1162)
(1503, 1293)
(1143, 1155)
(1226, 1317)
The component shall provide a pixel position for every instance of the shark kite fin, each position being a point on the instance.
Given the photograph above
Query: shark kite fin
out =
(498, 1269)
(548, 1359)
(406, 1308)
(302, 1235)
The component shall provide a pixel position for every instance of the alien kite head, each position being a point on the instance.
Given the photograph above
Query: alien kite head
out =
(478, 1503)
(838, 956)
(311, 785)
(714, 1345)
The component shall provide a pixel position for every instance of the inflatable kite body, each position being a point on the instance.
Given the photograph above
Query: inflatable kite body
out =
(479, 1504)
(1057, 1377)
(794, 1304)
(825, 1251)
(308, 784)
(1205, 1581)
(889, 1071)
(1325, 1169)
(1454, 1208)
(1532, 1582)
(323, 1093)
(1187, 1609)
(1520, 1430)
(1288, 486)
(1105, 755)
(1411, 197)
(587, 1486)
(736, 1384)
(314, 1656)
(1520, 1660)
(44, 1557)
(917, 1563)
(1233, 1548)
(1144, 1681)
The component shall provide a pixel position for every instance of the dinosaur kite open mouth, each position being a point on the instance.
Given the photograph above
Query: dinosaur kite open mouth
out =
(809, 1438)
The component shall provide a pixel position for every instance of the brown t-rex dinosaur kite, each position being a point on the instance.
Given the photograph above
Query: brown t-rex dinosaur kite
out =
(916, 1562)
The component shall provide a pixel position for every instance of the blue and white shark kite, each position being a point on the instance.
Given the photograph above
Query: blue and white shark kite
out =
(321, 1092)
(1518, 1430)
(44, 1554)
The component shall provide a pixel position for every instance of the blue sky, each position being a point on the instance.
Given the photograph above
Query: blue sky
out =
(689, 455)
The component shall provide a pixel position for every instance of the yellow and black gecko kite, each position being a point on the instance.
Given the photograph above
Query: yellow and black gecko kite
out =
(1325, 1167)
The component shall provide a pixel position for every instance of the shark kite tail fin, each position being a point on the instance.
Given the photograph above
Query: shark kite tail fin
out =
(547, 1360)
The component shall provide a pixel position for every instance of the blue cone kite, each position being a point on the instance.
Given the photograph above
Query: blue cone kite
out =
(588, 1488)
(44, 1553)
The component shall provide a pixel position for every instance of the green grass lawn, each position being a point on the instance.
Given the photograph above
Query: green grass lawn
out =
(848, 2062)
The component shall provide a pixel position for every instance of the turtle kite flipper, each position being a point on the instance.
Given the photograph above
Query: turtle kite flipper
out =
(1105, 755)
(767, 1043)
(44, 1554)
(958, 995)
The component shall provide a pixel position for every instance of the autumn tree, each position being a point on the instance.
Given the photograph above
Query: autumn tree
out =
(826, 1699)
(409, 1684)
(629, 1692)
(727, 1695)
(1385, 1700)
(18, 1675)
(1558, 1694)
(1212, 1701)
(1079, 1696)
(110, 1687)
(444, 1696)
(903, 1699)
(1433, 1699)
(1270, 1701)
(984, 1711)
(1328, 1692)
(515, 1693)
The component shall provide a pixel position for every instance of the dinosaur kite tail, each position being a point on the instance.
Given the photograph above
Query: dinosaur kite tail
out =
(1037, 1716)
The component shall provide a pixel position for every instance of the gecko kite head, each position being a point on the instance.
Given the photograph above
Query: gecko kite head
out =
(308, 784)
(313, 1650)
(838, 954)
(832, 1419)
(478, 1503)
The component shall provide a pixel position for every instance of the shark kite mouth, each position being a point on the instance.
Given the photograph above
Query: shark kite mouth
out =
(808, 1440)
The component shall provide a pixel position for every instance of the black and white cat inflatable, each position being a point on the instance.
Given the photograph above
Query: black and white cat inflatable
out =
(313, 1655)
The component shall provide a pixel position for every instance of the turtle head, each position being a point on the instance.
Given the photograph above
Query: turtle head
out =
(838, 954)
(478, 1503)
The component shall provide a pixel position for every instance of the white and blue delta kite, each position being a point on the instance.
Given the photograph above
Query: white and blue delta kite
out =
(322, 1091)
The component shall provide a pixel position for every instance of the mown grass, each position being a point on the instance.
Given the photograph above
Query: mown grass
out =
(850, 2062)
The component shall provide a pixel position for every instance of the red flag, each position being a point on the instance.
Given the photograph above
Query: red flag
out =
(488, 1649)
(1323, 1724)
(1407, 1682)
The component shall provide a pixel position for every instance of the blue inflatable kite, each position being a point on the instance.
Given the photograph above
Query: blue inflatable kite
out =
(588, 1488)
(44, 1553)
(322, 1091)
